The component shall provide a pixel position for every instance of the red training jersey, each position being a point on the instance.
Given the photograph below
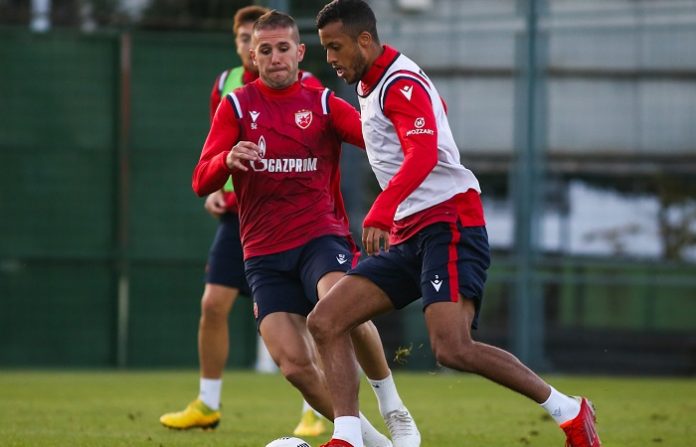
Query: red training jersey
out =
(217, 93)
(292, 195)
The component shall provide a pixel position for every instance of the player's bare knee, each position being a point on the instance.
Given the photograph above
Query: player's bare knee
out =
(362, 332)
(455, 354)
(298, 374)
(319, 326)
(213, 309)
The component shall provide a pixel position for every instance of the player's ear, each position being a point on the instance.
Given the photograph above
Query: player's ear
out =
(252, 55)
(300, 52)
(364, 39)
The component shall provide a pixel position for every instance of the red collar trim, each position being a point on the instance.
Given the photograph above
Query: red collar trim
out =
(277, 93)
(379, 66)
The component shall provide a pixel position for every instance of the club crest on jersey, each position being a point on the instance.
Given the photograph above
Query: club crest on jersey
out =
(303, 118)
(420, 122)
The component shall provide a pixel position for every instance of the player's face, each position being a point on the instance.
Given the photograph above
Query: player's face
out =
(243, 42)
(277, 56)
(343, 53)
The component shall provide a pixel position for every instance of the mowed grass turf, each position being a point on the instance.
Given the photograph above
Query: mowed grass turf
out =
(87, 408)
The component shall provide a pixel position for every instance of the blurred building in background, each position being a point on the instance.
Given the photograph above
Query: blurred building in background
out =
(577, 116)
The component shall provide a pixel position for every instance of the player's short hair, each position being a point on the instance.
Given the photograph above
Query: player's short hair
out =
(355, 15)
(248, 14)
(275, 19)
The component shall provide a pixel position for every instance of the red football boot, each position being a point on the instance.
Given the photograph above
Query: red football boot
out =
(580, 431)
(337, 443)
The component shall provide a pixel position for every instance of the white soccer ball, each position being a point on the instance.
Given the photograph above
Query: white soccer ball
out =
(288, 442)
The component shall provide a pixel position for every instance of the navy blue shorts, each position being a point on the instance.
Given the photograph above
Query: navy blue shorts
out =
(287, 281)
(225, 259)
(438, 263)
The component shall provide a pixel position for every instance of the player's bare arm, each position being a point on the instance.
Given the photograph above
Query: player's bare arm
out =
(241, 154)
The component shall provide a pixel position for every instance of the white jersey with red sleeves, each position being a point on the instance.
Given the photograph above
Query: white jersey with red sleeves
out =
(385, 149)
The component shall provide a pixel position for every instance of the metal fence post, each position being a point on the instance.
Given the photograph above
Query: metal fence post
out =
(122, 201)
(527, 183)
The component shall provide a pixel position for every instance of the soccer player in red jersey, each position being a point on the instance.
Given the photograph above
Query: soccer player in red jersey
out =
(280, 140)
(430, 222)
(224, 278)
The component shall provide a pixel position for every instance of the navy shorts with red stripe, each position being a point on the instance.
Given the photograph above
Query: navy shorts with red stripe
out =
(287, 281)
(225, 260)
(437, 264)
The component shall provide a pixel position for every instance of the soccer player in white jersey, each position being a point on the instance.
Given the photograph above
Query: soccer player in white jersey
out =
(429, 221)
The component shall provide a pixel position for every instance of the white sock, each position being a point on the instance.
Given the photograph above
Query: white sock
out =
(306, 407)
(209, 393)
(387, 395)
(370, 436)
(562, 408)
(348, 428)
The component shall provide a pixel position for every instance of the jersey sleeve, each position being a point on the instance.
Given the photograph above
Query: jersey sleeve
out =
(215, 97)
(346, 121)
(308, 79)
(211, 172)
(407, 104)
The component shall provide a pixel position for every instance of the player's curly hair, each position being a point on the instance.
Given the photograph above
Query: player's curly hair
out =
(248, 14)
(355, 15)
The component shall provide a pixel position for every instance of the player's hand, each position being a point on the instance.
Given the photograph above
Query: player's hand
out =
(215, 204)
(373, 238)
(240, 154)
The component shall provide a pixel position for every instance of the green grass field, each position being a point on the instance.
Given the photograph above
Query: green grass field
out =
(74, 409)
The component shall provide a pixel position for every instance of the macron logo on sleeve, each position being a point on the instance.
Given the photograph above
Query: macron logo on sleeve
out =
(407, 91)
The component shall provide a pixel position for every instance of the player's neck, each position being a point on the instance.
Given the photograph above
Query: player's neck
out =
(278, 92)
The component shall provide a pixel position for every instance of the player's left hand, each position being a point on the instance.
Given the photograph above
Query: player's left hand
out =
(215, 204)
(373, 238)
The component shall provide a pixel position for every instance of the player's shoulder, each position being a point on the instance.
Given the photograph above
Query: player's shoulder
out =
(319, 89)
(219, 81)
(221, 78)
(308, 79)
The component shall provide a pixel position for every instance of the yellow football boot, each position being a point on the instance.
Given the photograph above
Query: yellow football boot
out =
(310, 425)
(196, 415)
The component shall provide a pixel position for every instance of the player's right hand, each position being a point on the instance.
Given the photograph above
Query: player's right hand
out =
(240, 154)
(215, 204)
(373, 238)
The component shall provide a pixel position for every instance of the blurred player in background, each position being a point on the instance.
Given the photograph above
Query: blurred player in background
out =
(225, 270)
(429, 221)
(281, 141)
